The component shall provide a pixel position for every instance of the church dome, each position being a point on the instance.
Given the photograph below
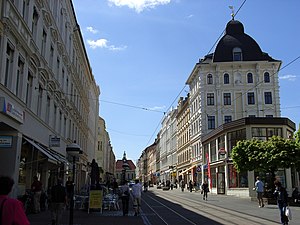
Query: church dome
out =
(235, 45)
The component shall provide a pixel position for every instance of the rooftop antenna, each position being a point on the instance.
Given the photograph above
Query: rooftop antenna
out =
(232, 11)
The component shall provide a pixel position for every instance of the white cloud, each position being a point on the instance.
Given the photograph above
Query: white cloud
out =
(190, 16)
(288, 77)
(139, 5)
(92, 30)
(103, 43)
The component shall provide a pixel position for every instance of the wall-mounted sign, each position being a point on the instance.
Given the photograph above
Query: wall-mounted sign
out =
(54, 141)
(5, 141)
(11, 110)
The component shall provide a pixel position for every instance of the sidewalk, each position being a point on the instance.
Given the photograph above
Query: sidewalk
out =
(93, 218)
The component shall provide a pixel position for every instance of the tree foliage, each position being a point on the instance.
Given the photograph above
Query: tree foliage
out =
(267, 155)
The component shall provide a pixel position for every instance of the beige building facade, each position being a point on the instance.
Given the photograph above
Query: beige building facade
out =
(48, 94)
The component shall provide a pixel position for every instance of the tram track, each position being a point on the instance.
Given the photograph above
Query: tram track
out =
(166, 200)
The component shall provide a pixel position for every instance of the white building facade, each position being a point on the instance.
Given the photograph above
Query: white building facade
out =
(238, 80)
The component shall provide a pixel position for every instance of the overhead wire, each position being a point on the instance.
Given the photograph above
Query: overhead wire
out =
(185, 84)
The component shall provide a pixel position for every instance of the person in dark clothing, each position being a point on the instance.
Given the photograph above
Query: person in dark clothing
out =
(125, 193)
(191, 185)
(58, 201)
(281, 196)
(205, 190)
(94, 174)
(69, 190)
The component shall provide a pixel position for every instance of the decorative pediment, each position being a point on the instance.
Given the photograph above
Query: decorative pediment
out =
(35, 61)
(54, 34)
(47, 18)
(39, 3)
(60, 48)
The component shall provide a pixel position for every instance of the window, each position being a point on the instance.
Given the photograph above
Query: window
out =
(48, 109)
(40, 103)
(8, 65)
(226, 78)
(227, 119)
(264, 133)
(227, 99)
(209, 79)
(237, 180)
(250, 78)
(29, 89)
(35, 18)
(51, 56)
(268, 98)
(210, 99)
(19, 78)
(251, 100)
(211, 122)
(44, 41)
(237, 54)
(266, 77)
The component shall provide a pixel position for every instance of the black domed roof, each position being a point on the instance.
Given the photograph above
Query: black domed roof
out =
(235, 37)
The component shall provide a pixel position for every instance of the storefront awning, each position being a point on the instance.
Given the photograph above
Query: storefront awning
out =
(42, 150)
(187, 170)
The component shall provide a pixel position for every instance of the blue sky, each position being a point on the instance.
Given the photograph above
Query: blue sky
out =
(142, 52)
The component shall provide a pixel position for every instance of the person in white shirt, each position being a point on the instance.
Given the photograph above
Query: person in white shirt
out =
(137, 195)
(259, 187)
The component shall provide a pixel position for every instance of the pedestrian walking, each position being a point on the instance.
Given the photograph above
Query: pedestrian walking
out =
(205, 190)
(124, 190)
(58, 201)
(182, 185)
(11, 210)
(281, 196)
(36, 188)
(259, 188)
(69, 190)
(137, 197)
(191, 185)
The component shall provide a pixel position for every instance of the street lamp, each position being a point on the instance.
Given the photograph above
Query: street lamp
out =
(74, 151)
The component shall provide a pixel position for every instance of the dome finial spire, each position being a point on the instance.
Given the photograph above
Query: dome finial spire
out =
(232, 11)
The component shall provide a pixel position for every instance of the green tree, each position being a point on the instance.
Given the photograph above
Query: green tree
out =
(266, 156)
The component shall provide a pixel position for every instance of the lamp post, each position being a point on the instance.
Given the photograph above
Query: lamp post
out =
(74, 151)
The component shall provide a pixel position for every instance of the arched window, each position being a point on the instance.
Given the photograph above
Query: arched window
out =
(250, 78)
(209, 79)
(226, 78)
(237, 54)
(267, 77)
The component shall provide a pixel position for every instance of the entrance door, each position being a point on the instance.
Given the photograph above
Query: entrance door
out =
(221, 183)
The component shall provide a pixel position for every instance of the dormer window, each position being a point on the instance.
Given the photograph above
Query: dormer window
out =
(209, 79)
(226, 78)
(250, 78)
(237, 54)
(267, 77)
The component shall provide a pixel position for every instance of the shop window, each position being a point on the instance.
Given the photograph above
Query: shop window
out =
(237, 180)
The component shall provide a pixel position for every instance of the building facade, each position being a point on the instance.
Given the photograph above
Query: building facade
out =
(219, 143)
(238, 80)
(48, 94)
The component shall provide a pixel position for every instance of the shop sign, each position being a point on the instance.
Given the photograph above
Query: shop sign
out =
(11, 110)
(5, 141)
(54, 141)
